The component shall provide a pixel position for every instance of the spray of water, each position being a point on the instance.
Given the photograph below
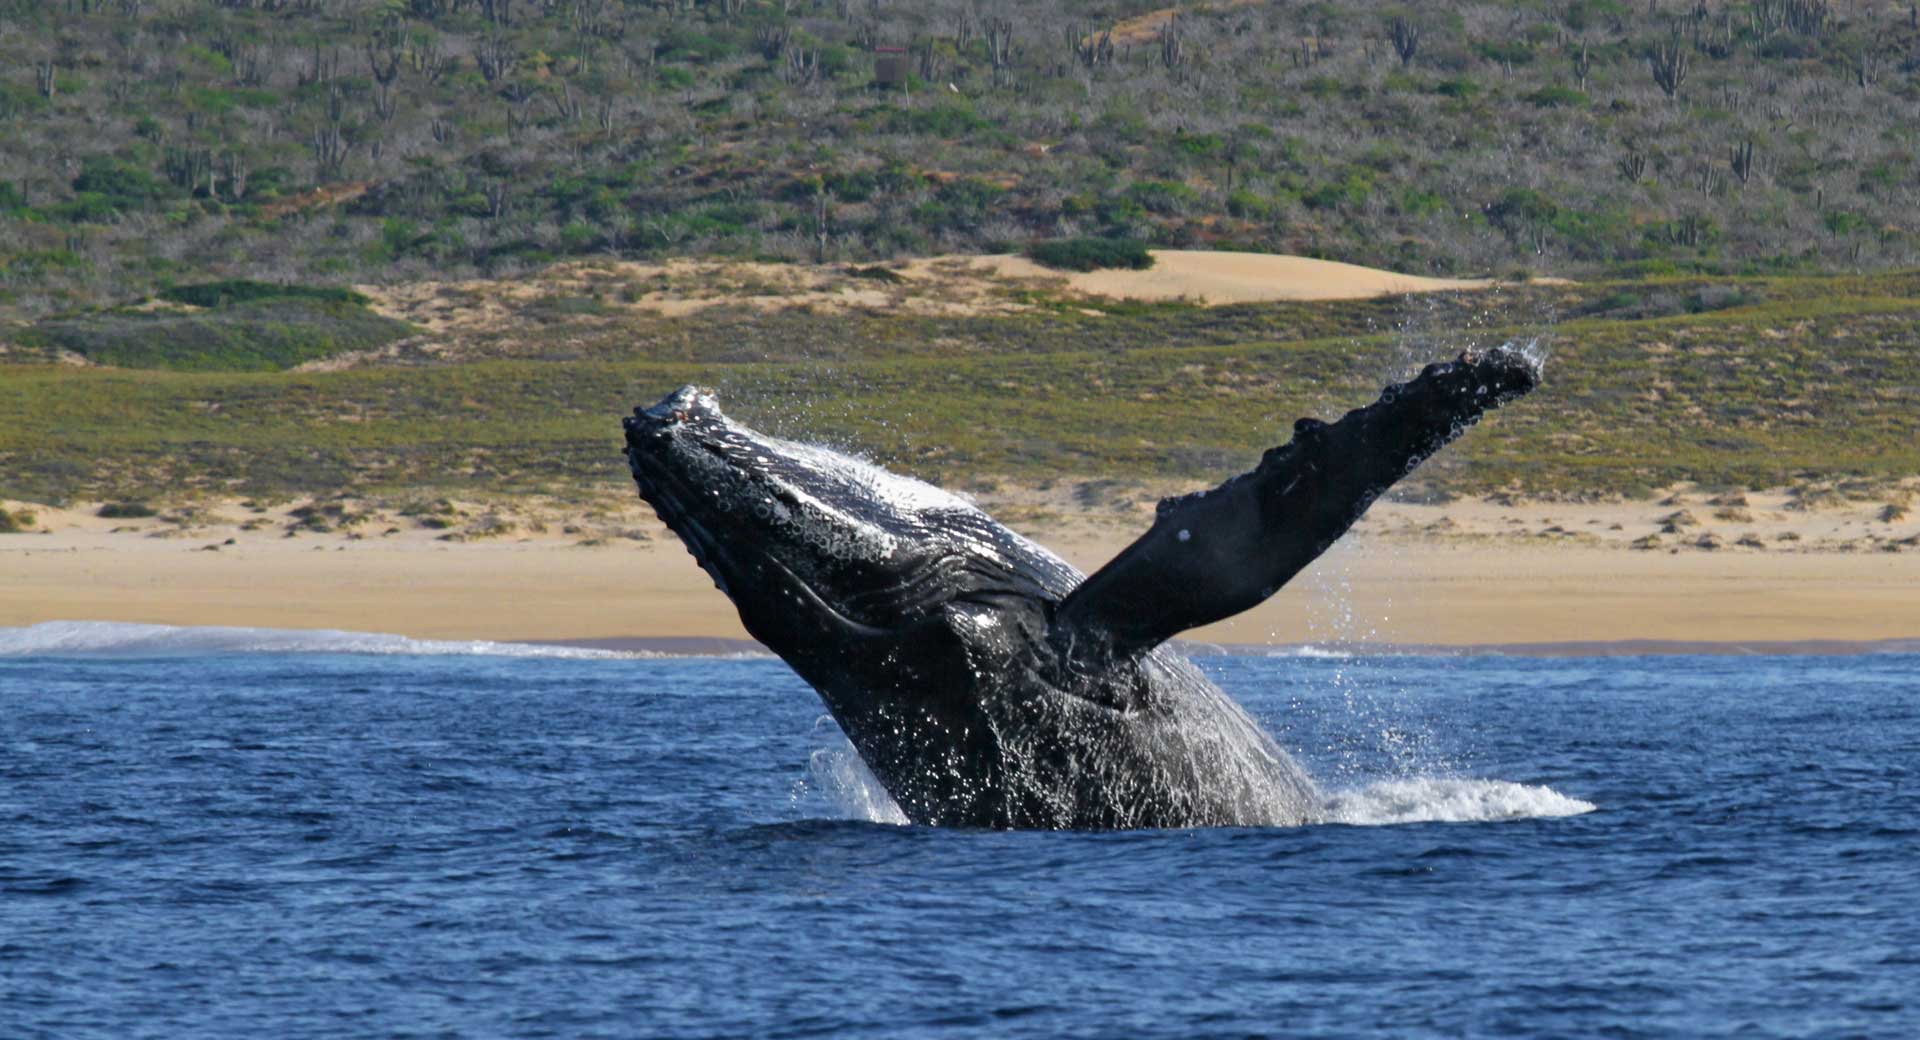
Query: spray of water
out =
(1448, 800)
(1386, 763)
(838, 783)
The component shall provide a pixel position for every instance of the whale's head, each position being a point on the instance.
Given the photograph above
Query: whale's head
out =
(821, 551)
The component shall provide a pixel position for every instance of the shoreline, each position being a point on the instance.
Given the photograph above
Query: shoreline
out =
(1751, 572)
(715, 647)
(85, 638)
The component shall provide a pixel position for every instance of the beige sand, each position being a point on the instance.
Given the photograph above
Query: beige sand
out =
(1463, 573)
(451, 311)
(1216, 278)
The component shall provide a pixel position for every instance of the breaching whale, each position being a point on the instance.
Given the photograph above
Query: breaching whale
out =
(981, 678)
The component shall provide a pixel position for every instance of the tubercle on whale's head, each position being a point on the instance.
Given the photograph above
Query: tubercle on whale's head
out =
(689, 404)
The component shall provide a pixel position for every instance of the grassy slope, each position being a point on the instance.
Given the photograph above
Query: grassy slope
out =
(255, 335)
(1818, 380)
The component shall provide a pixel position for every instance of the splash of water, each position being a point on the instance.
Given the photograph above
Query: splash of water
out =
(1439, 800)
(1308, 651)
(838, 777)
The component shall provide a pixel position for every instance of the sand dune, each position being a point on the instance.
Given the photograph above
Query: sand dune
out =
(946, 285)
(1221, 278)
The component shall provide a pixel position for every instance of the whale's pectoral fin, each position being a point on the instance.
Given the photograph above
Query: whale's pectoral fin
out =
(1213, 554)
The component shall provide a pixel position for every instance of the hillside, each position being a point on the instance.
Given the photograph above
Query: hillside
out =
(329, 142)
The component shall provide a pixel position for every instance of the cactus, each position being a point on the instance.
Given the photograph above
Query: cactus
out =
(1669, 64)
(1406, 39)
(1743, 161)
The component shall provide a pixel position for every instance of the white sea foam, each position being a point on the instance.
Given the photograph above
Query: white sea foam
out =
(838, 775)
(1308, 650)
(119, 639)
(1448, 801)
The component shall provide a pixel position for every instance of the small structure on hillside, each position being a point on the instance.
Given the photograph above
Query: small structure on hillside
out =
(890, 67)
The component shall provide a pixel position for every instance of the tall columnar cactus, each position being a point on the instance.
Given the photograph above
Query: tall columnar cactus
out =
(1669, 64)
(1742, 157)
(1406, 38)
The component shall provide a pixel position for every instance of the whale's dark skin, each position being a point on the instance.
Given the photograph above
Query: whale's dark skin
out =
(983, 681)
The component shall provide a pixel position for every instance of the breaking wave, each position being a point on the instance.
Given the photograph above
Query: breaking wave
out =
(121, 639)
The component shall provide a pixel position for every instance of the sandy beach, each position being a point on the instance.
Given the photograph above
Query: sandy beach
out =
(1464, 573)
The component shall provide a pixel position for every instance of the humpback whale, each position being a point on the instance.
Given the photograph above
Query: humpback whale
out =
(986, 682)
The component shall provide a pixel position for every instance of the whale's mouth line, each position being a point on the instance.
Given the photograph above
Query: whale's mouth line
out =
(668, 494)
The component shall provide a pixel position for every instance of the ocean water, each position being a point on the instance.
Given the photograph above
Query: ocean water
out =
(231, 833)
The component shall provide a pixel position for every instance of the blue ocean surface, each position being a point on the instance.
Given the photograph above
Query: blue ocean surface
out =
(243, 834)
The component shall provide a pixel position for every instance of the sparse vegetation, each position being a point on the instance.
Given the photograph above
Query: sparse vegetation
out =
(175, 141)
(1812, 387)
(17, 521)
(1092, 254)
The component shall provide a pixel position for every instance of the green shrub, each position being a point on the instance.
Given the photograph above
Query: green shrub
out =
(257, 335)
(1558, 97)
(1091, 254)
(948, 119)
(1505, 52)
(1519, 207)
(1353, 191)
(40, 261)
(1842, 222)
(1247, 205)
(125, 511)
(1164, 197)
(1201, 146)
(1415, 202)
(16, 522)
(239, 290)
(1721, 298)
(119, 182)
(1591, 14)
(688, 45)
